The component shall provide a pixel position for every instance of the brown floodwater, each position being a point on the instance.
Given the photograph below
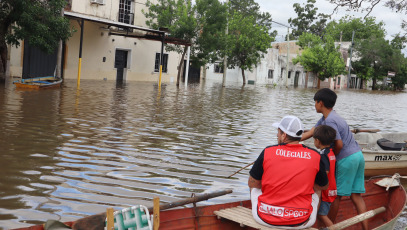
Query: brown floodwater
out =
(69, 153)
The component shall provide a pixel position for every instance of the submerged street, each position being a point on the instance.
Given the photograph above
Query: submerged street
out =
(69, 153)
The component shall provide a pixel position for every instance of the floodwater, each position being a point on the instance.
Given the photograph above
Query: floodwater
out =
(68, 153)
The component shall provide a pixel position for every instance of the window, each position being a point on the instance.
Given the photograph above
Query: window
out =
(157, 62)
(289, 74)
(218, 68)
(339, 80)
(270, 75)
(126, 14)
(282, 71)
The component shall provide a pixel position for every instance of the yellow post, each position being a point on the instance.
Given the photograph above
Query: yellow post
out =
(82, 24)
(159, 80)
(110, 219)
(79, 73)
(156, 213)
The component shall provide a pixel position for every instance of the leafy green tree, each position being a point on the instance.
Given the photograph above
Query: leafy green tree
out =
(320, 56)
(250, 8)
(375, 59)
(364, 28)
(37, 21)
(246, 42)
(308, 20)
(367, 6)
(211, 20)
(179, 17)
(400, 80)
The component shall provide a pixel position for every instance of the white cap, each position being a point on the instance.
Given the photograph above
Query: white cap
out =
(291, 125)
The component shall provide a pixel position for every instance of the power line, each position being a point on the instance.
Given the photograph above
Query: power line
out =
(281, 24)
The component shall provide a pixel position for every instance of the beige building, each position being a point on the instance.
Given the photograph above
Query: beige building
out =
(115, 44)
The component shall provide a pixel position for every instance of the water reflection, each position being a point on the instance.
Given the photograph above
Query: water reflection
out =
(70, 153)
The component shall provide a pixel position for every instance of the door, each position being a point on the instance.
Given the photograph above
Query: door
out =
(297, 76)
(120, 63)
(194, 73)
(37, 63)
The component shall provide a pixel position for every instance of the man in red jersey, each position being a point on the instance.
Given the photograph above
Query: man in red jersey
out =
(283, 178)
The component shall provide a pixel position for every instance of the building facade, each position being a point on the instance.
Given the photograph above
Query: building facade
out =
(274, 70)
(109, 51)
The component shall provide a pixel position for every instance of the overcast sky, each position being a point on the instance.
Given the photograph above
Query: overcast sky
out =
(281, 11)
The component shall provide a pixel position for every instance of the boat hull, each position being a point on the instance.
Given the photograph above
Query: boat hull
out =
(39, 83)
(382, 162)
(203, 217)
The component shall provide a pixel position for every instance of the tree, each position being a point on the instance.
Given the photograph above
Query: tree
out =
(249, 35)
(320, 56)
(250, 8)
(400, 79)
(308, 21)
(399, 6)
(179, 17)
(375, 59)
(364, 28)
(202, 25)
(37, 21)
(246, 42)
(211, 20)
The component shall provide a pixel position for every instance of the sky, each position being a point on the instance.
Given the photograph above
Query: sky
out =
(281, 11)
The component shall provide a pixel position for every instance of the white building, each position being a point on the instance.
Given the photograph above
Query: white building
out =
(272, 69)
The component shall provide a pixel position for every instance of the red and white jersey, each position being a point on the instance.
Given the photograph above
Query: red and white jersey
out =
(330, 194)
(287, 184)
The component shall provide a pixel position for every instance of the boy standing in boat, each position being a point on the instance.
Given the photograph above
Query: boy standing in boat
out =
(283, 178)
(324, 137)
(350, 164)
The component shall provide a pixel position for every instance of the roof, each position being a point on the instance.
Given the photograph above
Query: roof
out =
(108, 22)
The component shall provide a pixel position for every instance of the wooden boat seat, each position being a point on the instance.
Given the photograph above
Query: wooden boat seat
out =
(243, 216)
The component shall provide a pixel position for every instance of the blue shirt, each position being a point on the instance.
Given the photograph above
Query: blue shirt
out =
(350, 146)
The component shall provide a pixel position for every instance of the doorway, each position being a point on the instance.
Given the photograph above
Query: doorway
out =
(120, 63)
(296, 78)
(37, 63)
(194, 73)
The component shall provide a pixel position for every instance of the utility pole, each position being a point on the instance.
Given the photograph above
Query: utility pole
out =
(58, 68)
(350, 59)
(288, 53)
(225, 60)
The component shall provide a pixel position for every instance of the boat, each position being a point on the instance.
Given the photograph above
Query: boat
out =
(384, 153)
(38, 83)
(388, 200)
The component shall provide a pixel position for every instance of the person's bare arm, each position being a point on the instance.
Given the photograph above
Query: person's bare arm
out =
(320, 188)
(338, 146)
(253, 183)
(308, 134)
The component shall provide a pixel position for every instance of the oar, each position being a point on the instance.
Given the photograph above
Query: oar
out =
(365, 130)
(358, 130)
(241, 169)
(197, 198)
(356, 219)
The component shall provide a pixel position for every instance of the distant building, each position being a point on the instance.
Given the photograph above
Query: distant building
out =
(272, 69)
